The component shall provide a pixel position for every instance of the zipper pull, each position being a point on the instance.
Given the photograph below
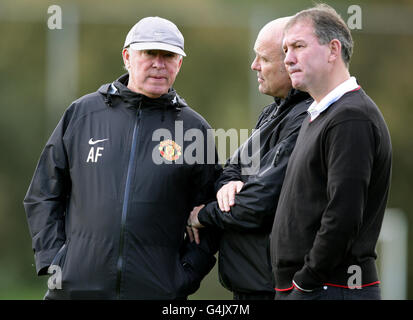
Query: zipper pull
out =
(277, 155)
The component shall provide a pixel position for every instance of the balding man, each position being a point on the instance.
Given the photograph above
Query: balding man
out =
(246, 204)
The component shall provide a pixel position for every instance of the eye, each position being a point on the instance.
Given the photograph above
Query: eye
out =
(170, 55)
(150, 52)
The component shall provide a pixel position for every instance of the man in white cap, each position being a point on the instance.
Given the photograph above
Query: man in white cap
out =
(152, 55)
(108, 204)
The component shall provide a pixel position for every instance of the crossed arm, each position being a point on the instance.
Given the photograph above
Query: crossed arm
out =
(225, 199)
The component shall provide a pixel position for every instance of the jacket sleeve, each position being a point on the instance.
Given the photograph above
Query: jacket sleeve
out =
(46, 199)
(256, 203)
(231, 172)
(198, 260)
(349, 152)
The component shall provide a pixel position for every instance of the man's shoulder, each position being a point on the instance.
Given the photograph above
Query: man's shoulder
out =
(266, 112)
(193, 117)
(301, 106)
(297, 110)
(88, 103)
(269, 108)
(82, 107)
(296, 104)
(355, 105)
(90, 98)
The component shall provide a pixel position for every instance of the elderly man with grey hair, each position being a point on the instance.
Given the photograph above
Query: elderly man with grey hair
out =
(107, 218)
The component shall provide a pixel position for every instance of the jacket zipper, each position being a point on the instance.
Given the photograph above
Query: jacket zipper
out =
(126, 201)
(277, 154)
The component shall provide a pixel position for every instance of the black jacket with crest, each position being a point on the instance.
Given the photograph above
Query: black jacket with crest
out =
(110, 197)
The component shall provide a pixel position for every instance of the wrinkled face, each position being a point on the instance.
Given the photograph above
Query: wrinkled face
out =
(306, 60)
(151, 72)
(269, 63)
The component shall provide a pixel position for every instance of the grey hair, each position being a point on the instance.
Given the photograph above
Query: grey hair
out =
(129, 49)
(328, 25)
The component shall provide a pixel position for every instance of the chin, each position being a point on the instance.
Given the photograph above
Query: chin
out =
(262, 90)
(297, 85)
(157, 91)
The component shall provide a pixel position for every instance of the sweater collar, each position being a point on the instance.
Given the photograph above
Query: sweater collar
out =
(317, 108)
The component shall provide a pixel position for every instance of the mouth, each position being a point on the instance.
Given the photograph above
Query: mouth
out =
(260, 79)
(157, 78)
(292, 71)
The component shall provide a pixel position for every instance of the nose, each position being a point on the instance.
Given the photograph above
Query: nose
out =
(158, 61)
(255, 65)
(290, 58)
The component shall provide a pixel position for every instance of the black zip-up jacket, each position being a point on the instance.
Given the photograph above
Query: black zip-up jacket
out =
(244, 260)
(102, 208)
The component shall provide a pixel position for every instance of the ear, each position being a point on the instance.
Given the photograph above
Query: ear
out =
(335, 50)
(126, 57)
(180, 64)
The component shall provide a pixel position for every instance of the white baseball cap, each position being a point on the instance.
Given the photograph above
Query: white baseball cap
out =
(155, 33)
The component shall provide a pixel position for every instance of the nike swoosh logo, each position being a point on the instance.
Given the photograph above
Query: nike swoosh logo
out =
(91, 142)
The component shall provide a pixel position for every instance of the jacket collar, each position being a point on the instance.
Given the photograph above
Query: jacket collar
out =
(134, 99)
(293, 97)
(119, 88)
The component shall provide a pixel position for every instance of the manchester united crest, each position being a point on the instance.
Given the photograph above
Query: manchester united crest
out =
(170, 150)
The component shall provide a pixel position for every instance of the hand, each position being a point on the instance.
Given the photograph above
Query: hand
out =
(193, 225)
(226, 195)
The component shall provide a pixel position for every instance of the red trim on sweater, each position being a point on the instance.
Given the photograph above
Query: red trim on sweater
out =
(287, 289)
(358, 88)
(347, 287)
(328, 284)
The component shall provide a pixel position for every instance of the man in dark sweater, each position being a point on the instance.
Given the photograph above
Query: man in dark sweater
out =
(334, 195)
(247, 199)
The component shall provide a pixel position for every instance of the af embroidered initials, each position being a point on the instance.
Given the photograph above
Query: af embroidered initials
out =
(93, 156)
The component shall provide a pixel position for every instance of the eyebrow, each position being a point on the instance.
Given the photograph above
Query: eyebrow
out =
(294, 42)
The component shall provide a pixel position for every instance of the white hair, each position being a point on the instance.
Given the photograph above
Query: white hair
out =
(130, 49)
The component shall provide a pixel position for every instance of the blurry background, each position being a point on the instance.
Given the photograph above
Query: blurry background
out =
(43, 70)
